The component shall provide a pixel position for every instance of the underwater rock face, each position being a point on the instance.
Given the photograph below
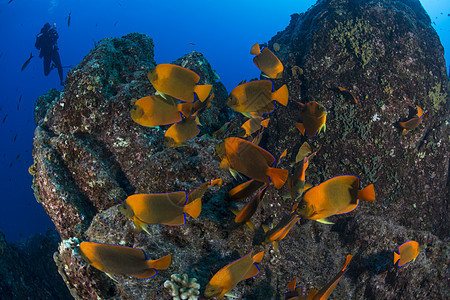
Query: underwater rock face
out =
(27, 270)
(89, 156)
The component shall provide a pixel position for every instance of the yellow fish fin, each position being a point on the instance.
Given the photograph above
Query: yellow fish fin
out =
(112, 277)
(300, 127)
(160, 263)
(325, 221)
(255, 50)
(396, 257)
(185, 108)
(230, 295)
(368, 193)
(247, 114)
(265, 227)
(281, 95)
(194, 208)
(161, 94)
(235, 174)
(202, 91)
(177, 221)
(265, 123)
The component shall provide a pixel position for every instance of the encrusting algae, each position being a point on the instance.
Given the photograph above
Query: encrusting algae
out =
(178, 102)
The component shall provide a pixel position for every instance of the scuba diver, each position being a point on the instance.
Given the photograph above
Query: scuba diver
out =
(46, 42)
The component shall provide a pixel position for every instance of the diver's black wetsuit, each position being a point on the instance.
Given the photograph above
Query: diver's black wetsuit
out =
(46, 42)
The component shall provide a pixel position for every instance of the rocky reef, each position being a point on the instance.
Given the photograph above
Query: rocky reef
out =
(89, 156)
(27, 269)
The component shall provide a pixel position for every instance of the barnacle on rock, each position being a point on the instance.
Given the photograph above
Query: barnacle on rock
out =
(183, 287)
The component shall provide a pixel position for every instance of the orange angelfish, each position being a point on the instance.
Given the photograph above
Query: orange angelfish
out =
(326, 291)
(296, 182)
(155, 111)
(249, 210)
(280, 231)
(413, 122)
(244, 190)
(181, 132)
(256, 97)
(267, 62)
(406, 252)
(312, 116)
(229, 276)
(295, 293)
(338, 195)
(251, 160)
(347, 94)
(178, 82)
(254, 124)
(114, 259)
(167, 209)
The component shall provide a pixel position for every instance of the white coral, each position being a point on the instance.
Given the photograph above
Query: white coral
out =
(183, 287)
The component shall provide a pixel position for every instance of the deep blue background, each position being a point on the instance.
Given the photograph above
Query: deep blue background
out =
(223, 31)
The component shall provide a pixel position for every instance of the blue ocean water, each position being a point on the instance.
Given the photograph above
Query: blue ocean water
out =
(223, 31)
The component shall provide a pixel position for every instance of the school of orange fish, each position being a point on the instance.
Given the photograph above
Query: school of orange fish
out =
(178, 102)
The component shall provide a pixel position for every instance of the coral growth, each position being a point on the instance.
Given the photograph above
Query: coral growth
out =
(183, 287)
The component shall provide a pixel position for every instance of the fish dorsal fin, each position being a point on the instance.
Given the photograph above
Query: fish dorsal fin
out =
(252, 272)
(300, 127)
(160, 263)
(325, 221)
(368, 193)
(291, 285)
(202, 91)
(255, 50)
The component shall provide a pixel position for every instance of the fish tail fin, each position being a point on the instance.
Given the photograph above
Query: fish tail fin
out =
(276, 246)
(160, 263)
(368, 193)
(281, 95)
(255, 50)
(347, 261)
(300, 127)
(291, 285)
(217, 181)
(194, 208)
(250, 225)
(202, 91)
(258, 257)
(278, 176)
(396, 257)
(419, 111)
